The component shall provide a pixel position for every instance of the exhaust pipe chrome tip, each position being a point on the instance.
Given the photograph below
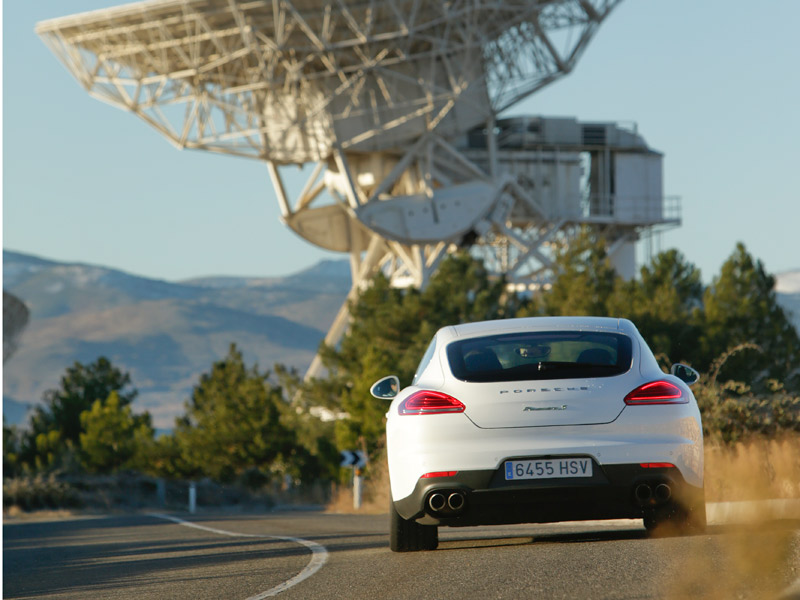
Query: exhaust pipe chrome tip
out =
(643, 493)
(663, 492)
(437, 502)
(456, 501)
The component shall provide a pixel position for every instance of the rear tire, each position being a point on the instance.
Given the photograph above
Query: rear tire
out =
(694, 522)
(678, 519)
(410, 536)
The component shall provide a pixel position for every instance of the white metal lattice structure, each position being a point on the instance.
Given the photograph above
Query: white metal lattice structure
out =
(384, 97)
(290, 81)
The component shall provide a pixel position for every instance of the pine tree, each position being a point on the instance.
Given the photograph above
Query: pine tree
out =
(112, 435)
(233, 424)
(11, 450)
(389, 333)
(583, 280)
(55, 427)
(666, 304)
(741, 308)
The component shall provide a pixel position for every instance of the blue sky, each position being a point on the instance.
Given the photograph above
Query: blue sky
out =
(712, 84)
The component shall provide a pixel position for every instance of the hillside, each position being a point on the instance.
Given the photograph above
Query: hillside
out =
(164, 333)
(167, 333)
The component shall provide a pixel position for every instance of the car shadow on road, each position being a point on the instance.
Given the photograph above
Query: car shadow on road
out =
(575, 536)
(543, 537)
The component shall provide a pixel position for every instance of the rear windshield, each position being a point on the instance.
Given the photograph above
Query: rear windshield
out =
(540, 355)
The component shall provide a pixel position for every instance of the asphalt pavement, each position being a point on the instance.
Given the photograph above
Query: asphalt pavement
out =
(314, 555)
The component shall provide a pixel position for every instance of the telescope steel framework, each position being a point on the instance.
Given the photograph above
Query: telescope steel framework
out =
(379, 94)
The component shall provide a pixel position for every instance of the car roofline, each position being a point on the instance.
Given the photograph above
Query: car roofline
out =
(578, 323)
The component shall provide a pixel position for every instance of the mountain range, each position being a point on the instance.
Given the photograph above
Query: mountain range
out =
(166, 334)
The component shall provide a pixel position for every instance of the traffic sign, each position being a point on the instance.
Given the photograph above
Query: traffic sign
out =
(353, 458)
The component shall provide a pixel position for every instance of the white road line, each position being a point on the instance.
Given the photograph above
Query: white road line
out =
(752, 510)
(318, 553)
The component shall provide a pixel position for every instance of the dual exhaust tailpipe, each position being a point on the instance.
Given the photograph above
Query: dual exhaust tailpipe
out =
(652, 493)
(452, 502)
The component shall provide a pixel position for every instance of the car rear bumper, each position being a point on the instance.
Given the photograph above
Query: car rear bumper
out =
(484, 497)
(451, 442)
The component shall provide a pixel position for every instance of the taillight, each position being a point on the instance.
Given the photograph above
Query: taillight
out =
(427, 402)
(657, 465)
(656, 392)
(439, 474)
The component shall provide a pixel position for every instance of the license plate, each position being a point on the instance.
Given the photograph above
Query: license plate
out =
(548, 468)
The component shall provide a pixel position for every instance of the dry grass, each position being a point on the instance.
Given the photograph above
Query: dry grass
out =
(756, 470)
(15, 513)
(375, 496)
(756, 554)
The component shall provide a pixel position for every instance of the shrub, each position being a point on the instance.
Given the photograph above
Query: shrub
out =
(30, 493)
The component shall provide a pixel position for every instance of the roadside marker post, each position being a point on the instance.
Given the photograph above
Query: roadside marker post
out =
(192, 498)
(356, 460)
(358, 483)
(161, 492)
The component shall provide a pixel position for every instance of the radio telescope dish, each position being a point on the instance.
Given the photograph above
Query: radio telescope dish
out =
(291, 81)
(15, 319)
(396, 104)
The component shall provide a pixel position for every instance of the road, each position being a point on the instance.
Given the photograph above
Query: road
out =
(313, 555)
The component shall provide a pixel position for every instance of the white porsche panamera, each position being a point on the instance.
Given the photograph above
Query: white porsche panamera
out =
(540, 420)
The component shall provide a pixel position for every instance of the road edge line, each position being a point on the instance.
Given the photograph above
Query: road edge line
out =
(319, 554)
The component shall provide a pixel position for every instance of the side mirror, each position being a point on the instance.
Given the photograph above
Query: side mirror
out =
(685, 373)
(386, 388)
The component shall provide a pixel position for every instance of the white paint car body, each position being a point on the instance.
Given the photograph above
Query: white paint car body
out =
(448, 457)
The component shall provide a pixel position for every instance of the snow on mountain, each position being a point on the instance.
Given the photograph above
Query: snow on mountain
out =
(788, 282)
(787, 288)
